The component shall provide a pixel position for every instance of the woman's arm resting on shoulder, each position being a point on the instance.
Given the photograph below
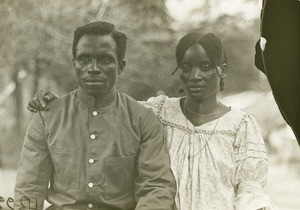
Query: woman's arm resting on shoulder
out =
(40, 100)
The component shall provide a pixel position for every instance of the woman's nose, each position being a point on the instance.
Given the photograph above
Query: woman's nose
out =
(196, 73)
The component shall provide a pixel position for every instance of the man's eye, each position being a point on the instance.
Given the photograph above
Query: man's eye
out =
(106, 60)
(206, 67)
(84, 60)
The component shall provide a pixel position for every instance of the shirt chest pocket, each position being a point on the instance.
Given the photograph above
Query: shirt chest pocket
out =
(67, 164)
(119, 176)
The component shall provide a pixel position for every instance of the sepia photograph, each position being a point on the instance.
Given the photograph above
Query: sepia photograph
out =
(150, 104)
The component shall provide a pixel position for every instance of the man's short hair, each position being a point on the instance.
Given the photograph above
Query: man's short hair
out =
(101, 28)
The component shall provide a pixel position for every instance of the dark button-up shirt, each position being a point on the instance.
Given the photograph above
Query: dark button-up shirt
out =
(95, 158)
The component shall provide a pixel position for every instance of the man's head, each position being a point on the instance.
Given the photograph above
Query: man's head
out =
(101, 28)
(98, 55)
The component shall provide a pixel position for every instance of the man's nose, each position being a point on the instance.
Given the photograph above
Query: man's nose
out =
(196, 73)
(94, 69)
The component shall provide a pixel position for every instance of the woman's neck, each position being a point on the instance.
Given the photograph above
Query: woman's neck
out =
(202, 107)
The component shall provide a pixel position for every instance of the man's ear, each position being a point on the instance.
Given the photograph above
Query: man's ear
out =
(222, 71)
(122, 64)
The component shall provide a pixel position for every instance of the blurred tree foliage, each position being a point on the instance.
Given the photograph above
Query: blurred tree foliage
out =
(36, 39)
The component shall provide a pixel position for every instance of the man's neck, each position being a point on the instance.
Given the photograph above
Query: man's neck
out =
(105, 100)
(97, 101)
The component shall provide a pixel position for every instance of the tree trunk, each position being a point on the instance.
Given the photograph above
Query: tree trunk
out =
(36, 76)
(17, 95)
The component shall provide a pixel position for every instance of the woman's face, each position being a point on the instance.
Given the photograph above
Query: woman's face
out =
(199, 74)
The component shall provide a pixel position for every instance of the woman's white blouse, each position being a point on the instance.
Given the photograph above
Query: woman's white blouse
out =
(219, 165)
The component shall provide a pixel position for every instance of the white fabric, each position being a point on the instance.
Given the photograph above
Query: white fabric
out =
(262, 43)
(227, 168)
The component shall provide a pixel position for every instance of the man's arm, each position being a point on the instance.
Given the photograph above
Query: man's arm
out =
(35, 168)
(155, 187)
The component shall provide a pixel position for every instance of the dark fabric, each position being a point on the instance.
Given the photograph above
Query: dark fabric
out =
(280, 25)
(112, 157)
(258, 57)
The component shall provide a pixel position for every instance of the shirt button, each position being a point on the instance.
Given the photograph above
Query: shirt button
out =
(90, 205)
(92, 136)
(91, 161)
(95, 113)
(91, 185)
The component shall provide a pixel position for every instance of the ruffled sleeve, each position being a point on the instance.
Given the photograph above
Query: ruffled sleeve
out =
(251, 167)
(154, 103)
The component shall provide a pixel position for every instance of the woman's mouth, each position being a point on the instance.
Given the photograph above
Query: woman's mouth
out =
(196, 87)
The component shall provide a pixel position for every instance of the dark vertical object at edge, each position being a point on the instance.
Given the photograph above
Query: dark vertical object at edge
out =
(280, 61)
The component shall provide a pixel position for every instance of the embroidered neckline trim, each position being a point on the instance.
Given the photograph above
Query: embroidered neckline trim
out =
(195, 130)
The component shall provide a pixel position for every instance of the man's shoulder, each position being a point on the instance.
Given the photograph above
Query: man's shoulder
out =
(136, 117)
(133, 106)
(62, 101)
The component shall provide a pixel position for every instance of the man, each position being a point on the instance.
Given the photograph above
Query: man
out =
(99, 148)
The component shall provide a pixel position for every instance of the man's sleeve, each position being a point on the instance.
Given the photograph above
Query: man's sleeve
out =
(35, 168)
(155, 187)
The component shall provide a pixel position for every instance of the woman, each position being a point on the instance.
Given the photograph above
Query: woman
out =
(218, 156)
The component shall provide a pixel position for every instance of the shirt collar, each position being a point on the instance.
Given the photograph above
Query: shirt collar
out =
(88, 100)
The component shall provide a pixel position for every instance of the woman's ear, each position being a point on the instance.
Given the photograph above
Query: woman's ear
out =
(122, 64)
(222, 71)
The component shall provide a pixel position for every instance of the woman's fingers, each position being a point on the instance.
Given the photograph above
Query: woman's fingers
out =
(40, 95)
(40, 100)
(29, 107)
(36, 103)
(49, 96)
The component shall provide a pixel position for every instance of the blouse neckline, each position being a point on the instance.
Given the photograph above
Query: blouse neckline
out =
(190, 124)
(170, 113)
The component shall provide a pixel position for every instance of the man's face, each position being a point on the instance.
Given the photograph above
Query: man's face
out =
(96, 64)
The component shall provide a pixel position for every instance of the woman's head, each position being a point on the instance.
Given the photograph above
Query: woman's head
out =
(202, 63)
(210, 43)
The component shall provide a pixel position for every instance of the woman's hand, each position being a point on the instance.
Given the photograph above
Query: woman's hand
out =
(40, 100)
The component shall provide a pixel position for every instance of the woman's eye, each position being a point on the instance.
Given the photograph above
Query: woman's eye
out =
(84, 60)
(186, 68)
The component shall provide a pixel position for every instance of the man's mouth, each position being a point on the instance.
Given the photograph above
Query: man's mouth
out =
(94, 82)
